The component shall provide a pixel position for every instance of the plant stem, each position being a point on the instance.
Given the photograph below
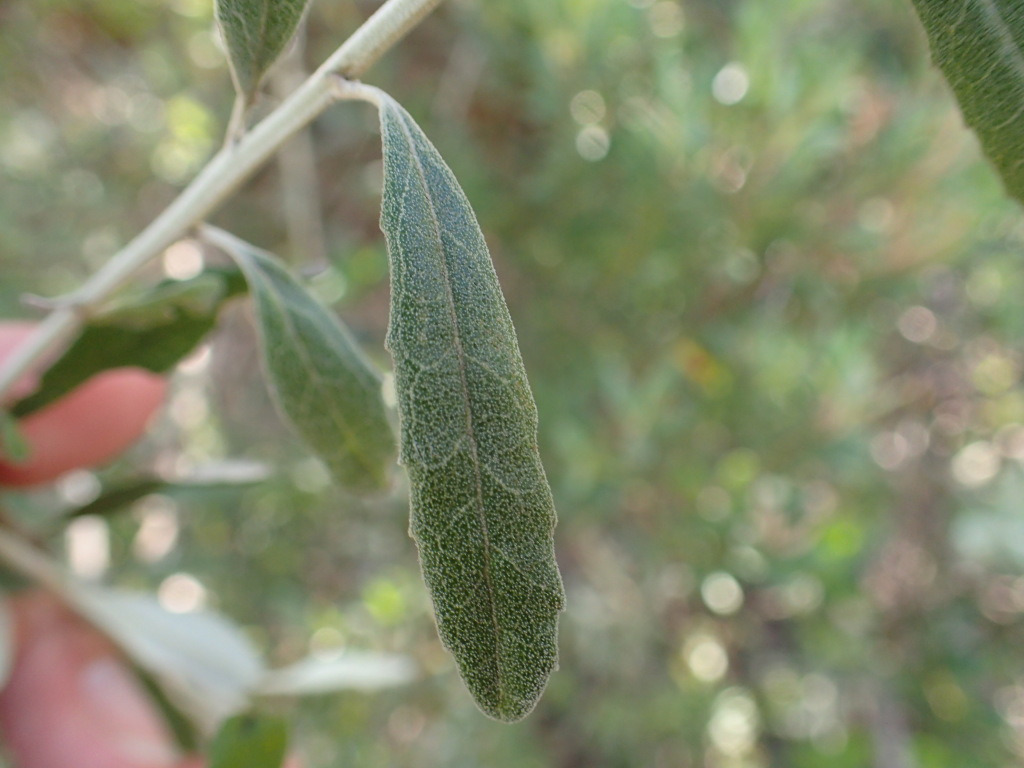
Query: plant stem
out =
(24, 559)
(223, 174)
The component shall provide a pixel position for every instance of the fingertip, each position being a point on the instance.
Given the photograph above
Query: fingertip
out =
(72, 701)
(88, 427)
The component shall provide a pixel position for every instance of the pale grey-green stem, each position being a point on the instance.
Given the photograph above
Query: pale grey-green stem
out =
(23, 558)
(219, 179)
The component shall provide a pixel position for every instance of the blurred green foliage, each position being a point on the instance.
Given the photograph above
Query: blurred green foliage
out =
(766, 293)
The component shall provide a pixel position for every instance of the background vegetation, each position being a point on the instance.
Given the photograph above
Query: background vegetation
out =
(766, 291)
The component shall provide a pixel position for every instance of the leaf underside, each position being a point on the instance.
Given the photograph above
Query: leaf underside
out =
(320, 379)
(256, 33)
(979, 46)
(204, 661)
(482, 513)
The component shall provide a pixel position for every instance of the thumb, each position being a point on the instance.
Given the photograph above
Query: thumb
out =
(72, 701)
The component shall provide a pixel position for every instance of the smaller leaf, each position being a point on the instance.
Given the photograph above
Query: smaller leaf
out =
(320, 378)
(205, 663)
(116, 499)
(347, 671)
(154, 331)
(256, 33)
(249, 741)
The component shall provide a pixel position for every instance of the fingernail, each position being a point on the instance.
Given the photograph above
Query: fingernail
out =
(117, 702)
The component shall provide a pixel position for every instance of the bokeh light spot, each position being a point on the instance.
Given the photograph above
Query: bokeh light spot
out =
(666, 18)
(158, 529)
(730, 84)
(917, 324)
(976, 464)
(87, 542)
(722, 593)
(183, 260)
(593, 143)
(587, 107)
(181, 593)
(735, 722)
(706, 658)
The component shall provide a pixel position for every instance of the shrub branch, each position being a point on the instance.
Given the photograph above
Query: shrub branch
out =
(219, 179)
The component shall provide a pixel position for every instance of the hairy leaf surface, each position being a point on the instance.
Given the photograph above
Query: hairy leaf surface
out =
(322, 381)
(482, 513)
(256, 33)
(154, 330)
(979, 46)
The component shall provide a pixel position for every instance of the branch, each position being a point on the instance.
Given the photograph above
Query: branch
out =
(22, 558)
(221, 177)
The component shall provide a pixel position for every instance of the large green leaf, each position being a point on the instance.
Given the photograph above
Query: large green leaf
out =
(322, 381)
(256, 32)
(249, 741)
(979, 46)
(482, 513)
(154, 330)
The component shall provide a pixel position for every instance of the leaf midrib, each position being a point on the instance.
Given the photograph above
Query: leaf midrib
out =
(1007, 43)
(470, 429)
(261, 37)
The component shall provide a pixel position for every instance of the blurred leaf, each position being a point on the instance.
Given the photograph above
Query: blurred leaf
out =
(13, 446)
(350, 670)
(116, 499)
(249, 741)
(224, 472)
(154, 331)
(256, 33)
(482, 513)
(204, 477)
(6, 640)
(204, 661)
(182, 729)
(979, 46)
(322, 381)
